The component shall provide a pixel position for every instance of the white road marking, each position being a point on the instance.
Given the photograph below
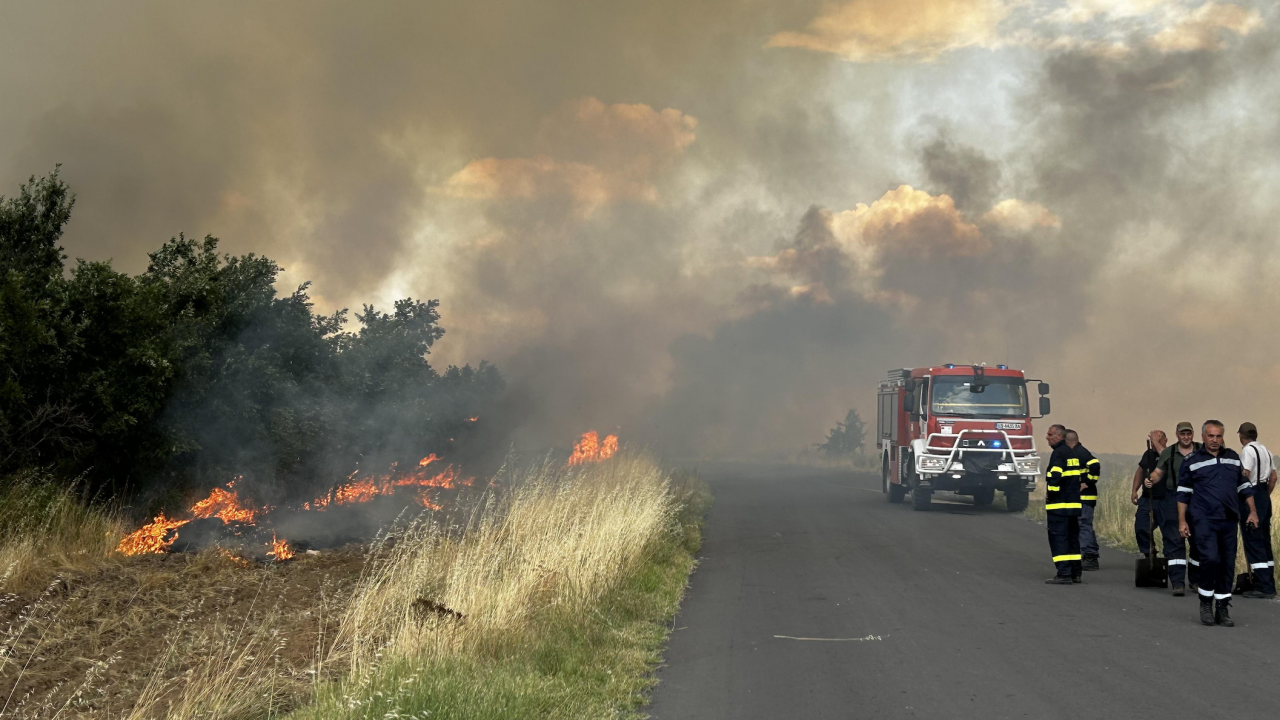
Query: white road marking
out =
(861, 639)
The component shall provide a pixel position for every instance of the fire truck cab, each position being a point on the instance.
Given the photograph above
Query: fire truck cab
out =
(959, 428)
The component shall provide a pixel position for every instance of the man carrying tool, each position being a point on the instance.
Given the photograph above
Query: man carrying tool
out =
(1212, 483)
(1257, 466)
(1179, 553)
(1062, 507)
(1141, 494)
(1088, 501)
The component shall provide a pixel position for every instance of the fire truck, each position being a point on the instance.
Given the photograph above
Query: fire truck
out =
(965, 429)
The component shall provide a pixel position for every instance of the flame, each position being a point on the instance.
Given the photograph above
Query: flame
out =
(280, 549)
(591, 449)
(225, 506)
(364, 490)
(424, 499)
(473, 419)
(150, 538)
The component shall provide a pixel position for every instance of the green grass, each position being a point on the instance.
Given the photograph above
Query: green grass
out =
(593, 664)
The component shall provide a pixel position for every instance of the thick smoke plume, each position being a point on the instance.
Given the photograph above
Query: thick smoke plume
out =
(709, 227)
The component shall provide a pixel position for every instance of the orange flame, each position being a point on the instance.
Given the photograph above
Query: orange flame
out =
(424, 499)
(280, 549)
(150, 538)
(225, 506)
(591, 449)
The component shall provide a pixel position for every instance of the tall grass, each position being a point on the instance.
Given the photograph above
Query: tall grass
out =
(46, 527)
(545, 595)
(518, 607)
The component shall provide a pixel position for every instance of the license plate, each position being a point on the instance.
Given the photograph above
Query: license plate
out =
(1008, 426)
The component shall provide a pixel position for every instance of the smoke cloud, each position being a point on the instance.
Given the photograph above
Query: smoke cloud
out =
(709, 227)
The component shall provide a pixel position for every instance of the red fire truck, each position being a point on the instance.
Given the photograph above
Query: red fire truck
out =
(959, 428)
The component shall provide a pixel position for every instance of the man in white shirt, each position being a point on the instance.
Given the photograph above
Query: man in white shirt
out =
(1260, 472)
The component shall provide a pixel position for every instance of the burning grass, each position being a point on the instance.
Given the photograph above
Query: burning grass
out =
(546, 594)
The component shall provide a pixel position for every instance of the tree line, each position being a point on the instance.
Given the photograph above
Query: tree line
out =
(198, 370)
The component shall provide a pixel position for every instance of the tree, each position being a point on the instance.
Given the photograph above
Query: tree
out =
(846, 437)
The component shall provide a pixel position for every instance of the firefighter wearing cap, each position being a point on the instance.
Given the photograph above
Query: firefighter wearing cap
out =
(1089, 501)
(1212, 483)
(1062, 507)
(1163, 483)
(1257, 467)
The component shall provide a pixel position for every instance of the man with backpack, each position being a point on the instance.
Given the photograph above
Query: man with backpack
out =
(1256, 462)
(1183, 569)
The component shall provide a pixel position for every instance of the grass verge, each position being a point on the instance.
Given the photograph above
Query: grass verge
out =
(547, 595)
(555, 606)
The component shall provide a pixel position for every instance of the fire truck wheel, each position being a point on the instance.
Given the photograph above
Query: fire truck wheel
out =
(984, 496)
(921, 499)
(1016, 500)
(897, 493)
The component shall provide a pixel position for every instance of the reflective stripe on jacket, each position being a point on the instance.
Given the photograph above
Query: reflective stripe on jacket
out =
(1062, 481)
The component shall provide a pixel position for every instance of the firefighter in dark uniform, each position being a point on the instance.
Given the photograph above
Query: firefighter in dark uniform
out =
(1089, 501)
(1211, 482)
(1062, 507)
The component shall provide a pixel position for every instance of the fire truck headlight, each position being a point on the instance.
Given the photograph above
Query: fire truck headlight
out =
(933, 463)
(1029, 466)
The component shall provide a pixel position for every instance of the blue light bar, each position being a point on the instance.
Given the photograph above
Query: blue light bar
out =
(1002, 367)
(995, 443)
(949, 366)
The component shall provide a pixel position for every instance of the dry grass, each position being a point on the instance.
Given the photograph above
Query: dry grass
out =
(548, 590)
(47, 528)
(551, 549)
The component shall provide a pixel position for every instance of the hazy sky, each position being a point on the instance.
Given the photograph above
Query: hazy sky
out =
(709, 225)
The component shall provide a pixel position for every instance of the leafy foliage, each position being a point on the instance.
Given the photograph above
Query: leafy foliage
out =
(197, 370)
(846, 438)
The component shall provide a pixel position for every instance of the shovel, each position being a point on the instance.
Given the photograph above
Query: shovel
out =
(1149, 570)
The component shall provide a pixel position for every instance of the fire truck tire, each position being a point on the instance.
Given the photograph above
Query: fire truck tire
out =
(984, 496)
(921, 499)
(897, 493)
(1016, 500)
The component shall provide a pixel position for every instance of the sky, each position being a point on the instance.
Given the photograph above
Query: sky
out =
(710, 227)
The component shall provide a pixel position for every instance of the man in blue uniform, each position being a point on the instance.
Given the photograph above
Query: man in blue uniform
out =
(1211, 483)
(1062, 506)
(1088, 501)
(1179, 552)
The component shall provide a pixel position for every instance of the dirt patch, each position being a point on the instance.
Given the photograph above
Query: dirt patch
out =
(96, 643)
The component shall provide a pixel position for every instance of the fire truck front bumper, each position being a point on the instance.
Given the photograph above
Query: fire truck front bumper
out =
(942, 473)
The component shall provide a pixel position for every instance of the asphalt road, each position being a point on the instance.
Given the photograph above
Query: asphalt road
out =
(952, 612)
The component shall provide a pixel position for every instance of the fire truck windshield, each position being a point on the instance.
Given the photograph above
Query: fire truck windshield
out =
(1002, 397)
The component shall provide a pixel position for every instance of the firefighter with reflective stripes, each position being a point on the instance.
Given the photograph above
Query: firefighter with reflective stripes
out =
(1067, 473)
(1212, 483)
(1088, 501)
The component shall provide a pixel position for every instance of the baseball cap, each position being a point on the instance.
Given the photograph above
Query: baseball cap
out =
(1184, 425)
(1248, 429)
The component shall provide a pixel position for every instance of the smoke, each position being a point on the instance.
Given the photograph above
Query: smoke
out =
(708, 227)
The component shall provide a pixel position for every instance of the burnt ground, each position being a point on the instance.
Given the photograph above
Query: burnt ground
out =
(941, 614)
(92, 641)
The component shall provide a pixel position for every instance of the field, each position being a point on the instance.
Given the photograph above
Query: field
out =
(546, 594)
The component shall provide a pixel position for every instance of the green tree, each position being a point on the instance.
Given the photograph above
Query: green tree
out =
(846, 438)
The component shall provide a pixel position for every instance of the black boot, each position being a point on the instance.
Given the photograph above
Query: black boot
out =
(1206, 612)
(1222, 616)
(1076, 579)
(1178, 590)
(1091, 563)
(1058, 580)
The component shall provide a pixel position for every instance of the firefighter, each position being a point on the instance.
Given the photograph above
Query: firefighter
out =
(1062, 507)
(1212, 483)
(1088, 501)
(1257, 467)
(1141, 494)
(1182, 555)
